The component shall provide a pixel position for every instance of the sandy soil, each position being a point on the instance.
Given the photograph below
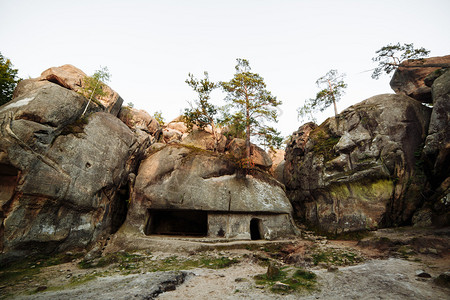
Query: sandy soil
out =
(380, 270)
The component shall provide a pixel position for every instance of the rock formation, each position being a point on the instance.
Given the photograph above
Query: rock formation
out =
(360, 173)
(63, 177)
(187, 190)
(411, 81)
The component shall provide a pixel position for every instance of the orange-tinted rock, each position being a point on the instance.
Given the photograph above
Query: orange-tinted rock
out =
(409, 81)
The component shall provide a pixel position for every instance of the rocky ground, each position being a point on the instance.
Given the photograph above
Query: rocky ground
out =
(403, 263)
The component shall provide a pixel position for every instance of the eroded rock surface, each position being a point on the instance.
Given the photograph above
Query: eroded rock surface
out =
(71, 78)
(63, 172)
(411, 81)
(191, 179)
(360, 173)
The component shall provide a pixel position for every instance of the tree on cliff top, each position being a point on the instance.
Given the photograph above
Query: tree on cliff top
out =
(202, 113)
(93, 85)
(247, 94)
(391, 56)
(332, 88)
(8, 79)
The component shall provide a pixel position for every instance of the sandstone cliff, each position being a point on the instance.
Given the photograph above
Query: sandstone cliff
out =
(62, 175)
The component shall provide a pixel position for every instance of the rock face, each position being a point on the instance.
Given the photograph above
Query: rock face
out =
(360, 173)
(63, 177)
(260, 158)
(205, 140)
(178, 187)
(277, 168)
(437, 144)
(138, 119)
(411, 81)
(71, 78)
(436, 153)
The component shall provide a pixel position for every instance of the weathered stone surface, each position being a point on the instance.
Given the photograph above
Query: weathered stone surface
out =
(437, 144)
(410, 81)
(179, 126)
(277, 157)
(259, 157)
(62, 173)
(205, 140)
(359, 174)
(119, 287)
(181, 178)
(171, 135)
(71, 78)
(139, 119)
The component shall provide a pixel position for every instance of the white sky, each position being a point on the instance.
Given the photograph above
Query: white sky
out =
(151, 46)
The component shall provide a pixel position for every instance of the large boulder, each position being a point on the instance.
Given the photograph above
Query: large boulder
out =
(72, 78)
(277, 168)
(409, 78)
(260, 158)
(63, 177)
(436, 152)
(139, 119)
(187, 179)
(437, 144)
(205, 140)
(360, 172)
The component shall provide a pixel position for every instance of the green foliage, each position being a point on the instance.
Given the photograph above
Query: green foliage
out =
(337, 257)
(332, 88)
(123, 259)
(251, 101)
(297, 280)
(93, 86)
(158, 116)
(130, 104)
(25, 269)
(269, 137)
(391, 56)
(324, 143)
(201, 113)
(8, 79)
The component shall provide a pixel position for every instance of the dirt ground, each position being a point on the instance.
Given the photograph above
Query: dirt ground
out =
(387, 264)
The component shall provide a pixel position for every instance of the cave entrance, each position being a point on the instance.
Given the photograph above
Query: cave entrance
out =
(177, 222)
(255, 229)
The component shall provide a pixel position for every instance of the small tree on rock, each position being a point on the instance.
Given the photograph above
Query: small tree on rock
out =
(247, 94)
(93, 85)
(332, 88)
(391, 56)
(8, 79)
(202, 113)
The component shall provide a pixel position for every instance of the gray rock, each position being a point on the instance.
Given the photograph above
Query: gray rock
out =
(205, 140)
(354, 176)
(186, 179)
(60, 174)
(410, 81)
(138, 286)
(437, 143)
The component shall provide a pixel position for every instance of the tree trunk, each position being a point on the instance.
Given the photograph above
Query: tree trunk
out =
(247, 138)
(330, 87)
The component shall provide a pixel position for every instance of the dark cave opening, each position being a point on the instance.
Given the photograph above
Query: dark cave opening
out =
(177, 222)
(255, 229)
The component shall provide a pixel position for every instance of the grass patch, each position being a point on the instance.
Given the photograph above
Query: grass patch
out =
(294, 280)
(351, 236)
(174, 263)
(128, 263)
(121, 258)
(324, 143)
(337, 257)
(27, 268)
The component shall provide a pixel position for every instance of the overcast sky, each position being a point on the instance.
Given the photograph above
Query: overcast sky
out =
(151, 46)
